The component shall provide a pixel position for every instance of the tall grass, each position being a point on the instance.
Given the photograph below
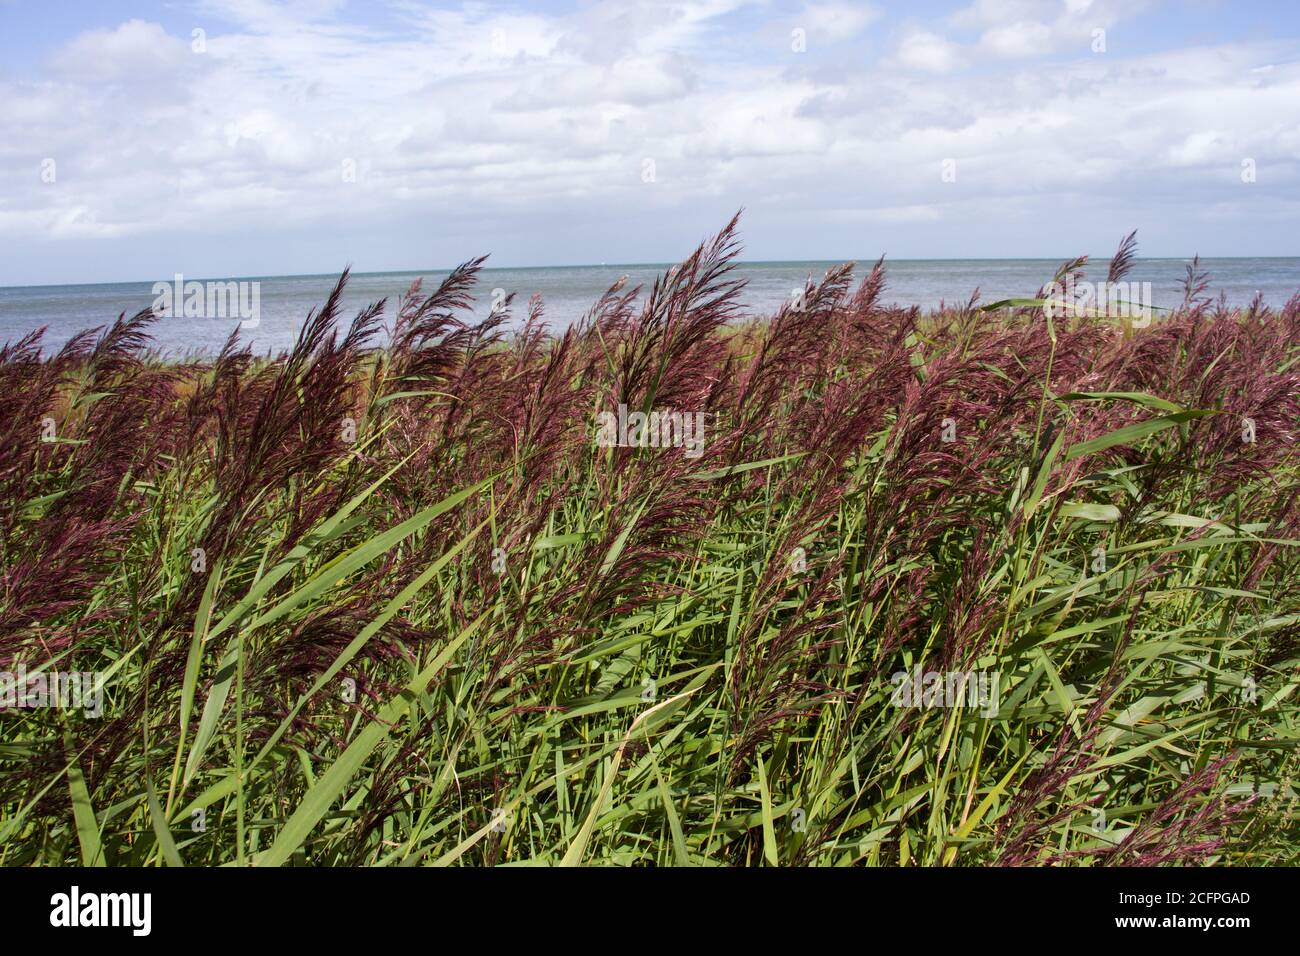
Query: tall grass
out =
(363, 605)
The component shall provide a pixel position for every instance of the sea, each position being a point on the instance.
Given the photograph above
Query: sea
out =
(568, 292)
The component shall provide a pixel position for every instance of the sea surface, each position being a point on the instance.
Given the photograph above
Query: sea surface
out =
(569, 291)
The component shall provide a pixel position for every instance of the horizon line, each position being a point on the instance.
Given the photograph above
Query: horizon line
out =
(625, 265)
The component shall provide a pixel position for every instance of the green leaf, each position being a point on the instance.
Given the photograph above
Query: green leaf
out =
(161, 830)
(1092, 512)
(212, 709)
(336, 571)
(323, 533)
(390, 610)
(83, 813)
(1132, 433)
(747, 466)
(1141, 398)
(573, 856)
(674, 823)
(327, 789)
(769, 831)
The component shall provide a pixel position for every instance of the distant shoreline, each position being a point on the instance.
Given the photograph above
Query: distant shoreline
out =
(746, 264)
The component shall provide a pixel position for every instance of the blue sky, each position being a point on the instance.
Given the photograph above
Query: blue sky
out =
(298, 136)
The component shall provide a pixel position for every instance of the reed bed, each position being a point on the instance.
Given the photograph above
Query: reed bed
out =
(396, 604)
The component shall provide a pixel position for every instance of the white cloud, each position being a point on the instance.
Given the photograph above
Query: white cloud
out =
(1203, 146)
(923, 50)
(135, 50)
(446, 128)
(1025, 38)
(839, 20)
(1019, 29)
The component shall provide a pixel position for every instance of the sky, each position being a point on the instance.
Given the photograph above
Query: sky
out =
(269, 137)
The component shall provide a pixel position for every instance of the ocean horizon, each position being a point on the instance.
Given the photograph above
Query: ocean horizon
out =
(568, 292)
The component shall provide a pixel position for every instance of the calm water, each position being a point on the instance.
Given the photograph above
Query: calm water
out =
(569, 291)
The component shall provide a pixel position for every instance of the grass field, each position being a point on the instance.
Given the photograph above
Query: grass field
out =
(413, 604)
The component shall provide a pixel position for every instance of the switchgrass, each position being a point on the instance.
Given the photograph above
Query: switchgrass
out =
(396, 606)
